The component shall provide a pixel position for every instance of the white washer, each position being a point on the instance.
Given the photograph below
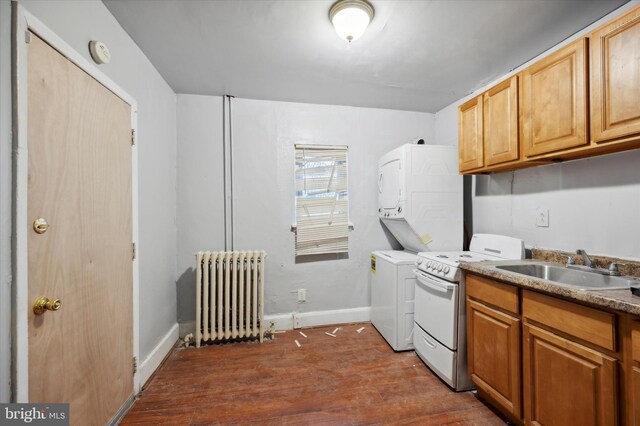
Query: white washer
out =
(392, 296)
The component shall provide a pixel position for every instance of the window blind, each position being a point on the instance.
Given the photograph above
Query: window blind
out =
(322, 207)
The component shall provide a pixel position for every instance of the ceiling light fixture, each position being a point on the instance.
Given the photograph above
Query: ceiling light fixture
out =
(351, 18)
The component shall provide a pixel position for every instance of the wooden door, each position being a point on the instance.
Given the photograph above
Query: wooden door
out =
(554, 101)
(470, 153)
(501, 123)
(79, 139)
(615, 78)
(493, 352)
(566, 383)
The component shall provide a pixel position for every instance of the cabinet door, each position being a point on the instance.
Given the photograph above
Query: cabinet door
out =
(633, 400)
(470, 154)
(636, 395)
(566, 383)
(501, 123)
(554, 102)
(615, 78)
(493, 351)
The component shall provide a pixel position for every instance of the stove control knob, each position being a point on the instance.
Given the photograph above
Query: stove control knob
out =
(419, 262)
(446, 269)
(430, 264)
(439, 268)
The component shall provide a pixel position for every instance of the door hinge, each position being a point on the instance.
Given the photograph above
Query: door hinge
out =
(135, 365)
(133, 137)
(27, 37)
(133, 251)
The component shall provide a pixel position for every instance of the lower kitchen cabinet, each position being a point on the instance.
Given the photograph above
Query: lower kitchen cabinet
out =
(636, 396)
(565, 382)
(547, 360)
(634, 391)
(493, 352)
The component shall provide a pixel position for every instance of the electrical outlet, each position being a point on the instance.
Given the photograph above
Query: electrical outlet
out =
(542, 218)
(302, 295)
(296, 320)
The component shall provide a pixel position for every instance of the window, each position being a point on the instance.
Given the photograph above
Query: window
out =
(322, 205)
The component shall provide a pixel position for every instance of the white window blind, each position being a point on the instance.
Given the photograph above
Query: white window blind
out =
(322, 206)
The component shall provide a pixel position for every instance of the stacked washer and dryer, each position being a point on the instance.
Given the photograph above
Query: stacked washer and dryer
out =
(420, 202)
(418, 294)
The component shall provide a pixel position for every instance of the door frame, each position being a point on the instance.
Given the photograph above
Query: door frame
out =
(23, 21)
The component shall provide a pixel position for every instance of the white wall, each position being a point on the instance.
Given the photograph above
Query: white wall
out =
(77, 23)
(200, 209)
(5, 201)
(264, 134)
(593, 203)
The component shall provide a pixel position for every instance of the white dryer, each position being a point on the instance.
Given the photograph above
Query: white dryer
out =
(392, 294)
(420, 197)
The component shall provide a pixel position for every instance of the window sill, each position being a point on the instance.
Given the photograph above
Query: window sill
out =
(294, 227)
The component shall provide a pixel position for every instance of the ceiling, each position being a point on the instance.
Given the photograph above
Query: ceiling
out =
(416, 55)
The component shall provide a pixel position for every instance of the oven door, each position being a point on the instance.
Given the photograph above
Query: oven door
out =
(436, 308)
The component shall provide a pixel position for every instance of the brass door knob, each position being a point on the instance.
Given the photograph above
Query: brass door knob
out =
(40, 225)
(43, 304)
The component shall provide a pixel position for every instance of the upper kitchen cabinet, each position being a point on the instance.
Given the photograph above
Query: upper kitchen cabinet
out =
(488, 129)
(470, 152)
(501, 123)
(577, 102)
(615, 79)
(553, 102)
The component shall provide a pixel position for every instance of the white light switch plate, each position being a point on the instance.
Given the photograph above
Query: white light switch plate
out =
(542, 218)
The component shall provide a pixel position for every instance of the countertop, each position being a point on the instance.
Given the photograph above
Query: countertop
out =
(619, 300)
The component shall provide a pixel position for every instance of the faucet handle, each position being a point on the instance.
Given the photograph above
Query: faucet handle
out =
(570, 260)
(613, 268)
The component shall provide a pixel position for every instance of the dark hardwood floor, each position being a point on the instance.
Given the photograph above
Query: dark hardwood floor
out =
(344, 380)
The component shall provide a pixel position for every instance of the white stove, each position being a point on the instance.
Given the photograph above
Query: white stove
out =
(440, 316)
(446, 264)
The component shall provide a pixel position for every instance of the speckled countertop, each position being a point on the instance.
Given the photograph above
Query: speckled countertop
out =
(619, 300)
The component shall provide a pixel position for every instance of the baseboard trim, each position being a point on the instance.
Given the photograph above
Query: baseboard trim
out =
(318, 318)
(154, 359)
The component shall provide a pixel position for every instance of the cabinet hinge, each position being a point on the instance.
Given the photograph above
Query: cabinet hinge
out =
(27, 37)
(135, 365)
(133, 251)
(133, 137)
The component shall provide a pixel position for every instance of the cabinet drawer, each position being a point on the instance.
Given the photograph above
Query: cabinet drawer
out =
(591, 325)
(493, 293)
(635, 340)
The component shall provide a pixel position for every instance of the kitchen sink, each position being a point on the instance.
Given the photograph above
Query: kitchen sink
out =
(563, 276)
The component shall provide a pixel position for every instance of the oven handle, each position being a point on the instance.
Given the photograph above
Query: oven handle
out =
(433, 282)
(430, 344)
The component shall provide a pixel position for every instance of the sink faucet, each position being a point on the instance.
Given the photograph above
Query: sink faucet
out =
(591, 265)
(587, 261)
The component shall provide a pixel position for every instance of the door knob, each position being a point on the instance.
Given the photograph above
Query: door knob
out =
(43, 304)
(40, 225)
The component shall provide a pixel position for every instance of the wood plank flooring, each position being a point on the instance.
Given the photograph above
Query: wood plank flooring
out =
(350, 379)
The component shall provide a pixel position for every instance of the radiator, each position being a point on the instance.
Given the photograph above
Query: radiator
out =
(229, 295)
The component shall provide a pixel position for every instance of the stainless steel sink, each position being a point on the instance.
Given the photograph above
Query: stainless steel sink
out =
(582, 280)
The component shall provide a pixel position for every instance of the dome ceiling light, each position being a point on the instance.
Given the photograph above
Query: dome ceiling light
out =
(351, 18)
